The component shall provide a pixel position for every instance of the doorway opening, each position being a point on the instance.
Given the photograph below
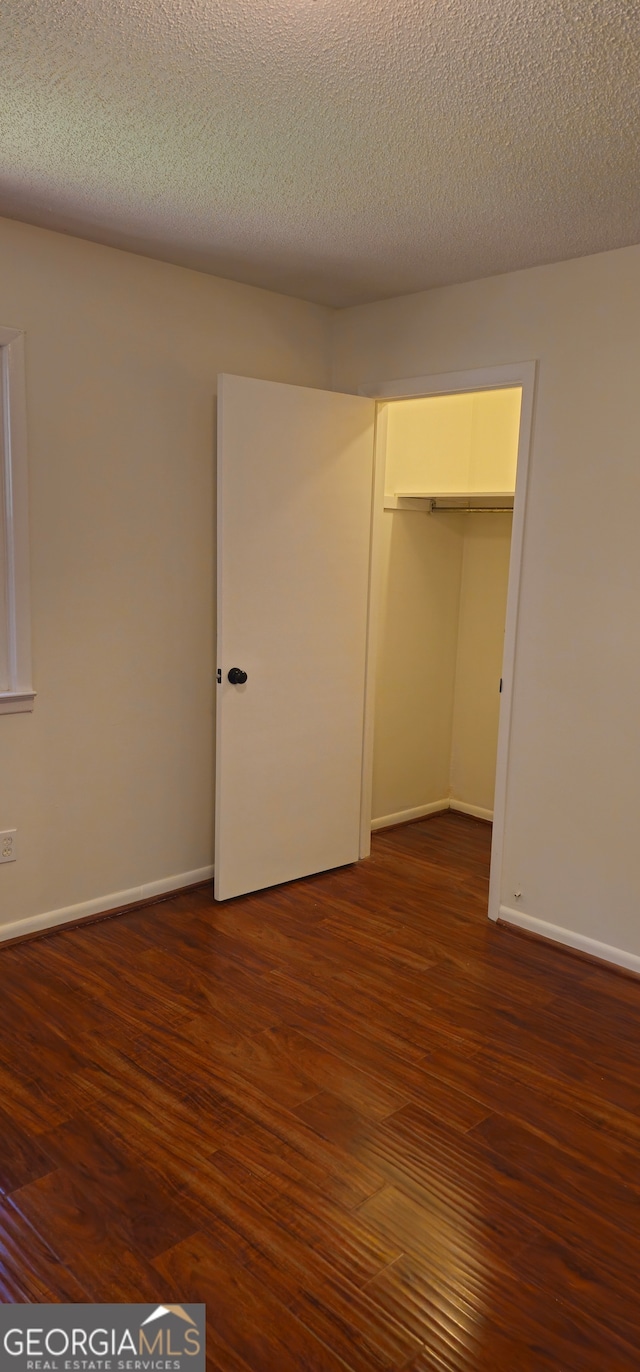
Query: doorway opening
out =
(450, 468)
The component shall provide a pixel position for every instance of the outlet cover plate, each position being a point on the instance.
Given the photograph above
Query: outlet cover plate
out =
(8, 845)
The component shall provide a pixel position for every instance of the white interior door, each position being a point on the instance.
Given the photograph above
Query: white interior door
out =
(295, 479)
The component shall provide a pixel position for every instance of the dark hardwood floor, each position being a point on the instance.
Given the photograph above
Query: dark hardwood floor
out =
(369, 1129)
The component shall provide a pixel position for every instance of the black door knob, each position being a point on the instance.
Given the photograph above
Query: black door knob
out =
(236, 676)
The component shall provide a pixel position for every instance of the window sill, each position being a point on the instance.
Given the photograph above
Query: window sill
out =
(16, 702)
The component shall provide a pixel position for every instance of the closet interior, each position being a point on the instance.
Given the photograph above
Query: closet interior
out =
(450, 470)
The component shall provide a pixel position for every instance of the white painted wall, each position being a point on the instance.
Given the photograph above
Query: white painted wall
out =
(110, 781)
(573, 797)
(417, 647)
(465, 442)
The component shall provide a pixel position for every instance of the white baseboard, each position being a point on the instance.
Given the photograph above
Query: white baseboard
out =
(475, 810)
(403, 816)
(135, 894)
(433, 808)
(571, 939)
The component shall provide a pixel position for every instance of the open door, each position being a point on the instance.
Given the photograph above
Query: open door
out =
(295, 481)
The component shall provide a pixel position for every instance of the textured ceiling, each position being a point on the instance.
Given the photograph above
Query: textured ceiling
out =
(339, 150)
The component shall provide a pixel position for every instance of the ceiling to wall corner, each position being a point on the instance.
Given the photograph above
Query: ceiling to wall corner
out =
(337, 150)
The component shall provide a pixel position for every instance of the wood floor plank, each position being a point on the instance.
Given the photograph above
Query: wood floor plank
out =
(343, 1238)
(524, 1157)
(30, 1106)
(374, 1098)
(252, 1319)
(29, 1270)
(587, 1129)
(85, 1238)
(528, 1183)
(22, 1157)
(589, 1282)
(321, 1295)
(370, 1129)
(145, 1212)
(490, 1321)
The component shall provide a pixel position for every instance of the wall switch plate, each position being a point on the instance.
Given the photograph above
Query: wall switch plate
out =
(8, 845)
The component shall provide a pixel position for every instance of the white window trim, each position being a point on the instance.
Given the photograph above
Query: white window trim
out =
(14, 511)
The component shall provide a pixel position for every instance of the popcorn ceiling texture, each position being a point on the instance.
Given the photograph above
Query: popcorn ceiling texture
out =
(338, 150)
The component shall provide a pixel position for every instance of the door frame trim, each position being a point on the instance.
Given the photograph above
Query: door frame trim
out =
(521, 374)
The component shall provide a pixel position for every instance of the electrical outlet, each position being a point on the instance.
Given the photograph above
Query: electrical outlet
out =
(8, 845)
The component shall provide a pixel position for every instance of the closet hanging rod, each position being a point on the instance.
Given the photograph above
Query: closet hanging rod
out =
(469, 509)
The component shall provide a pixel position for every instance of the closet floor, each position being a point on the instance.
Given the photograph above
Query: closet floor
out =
(368, 1128)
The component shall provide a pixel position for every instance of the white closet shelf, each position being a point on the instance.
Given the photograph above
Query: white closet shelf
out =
(428, 501)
